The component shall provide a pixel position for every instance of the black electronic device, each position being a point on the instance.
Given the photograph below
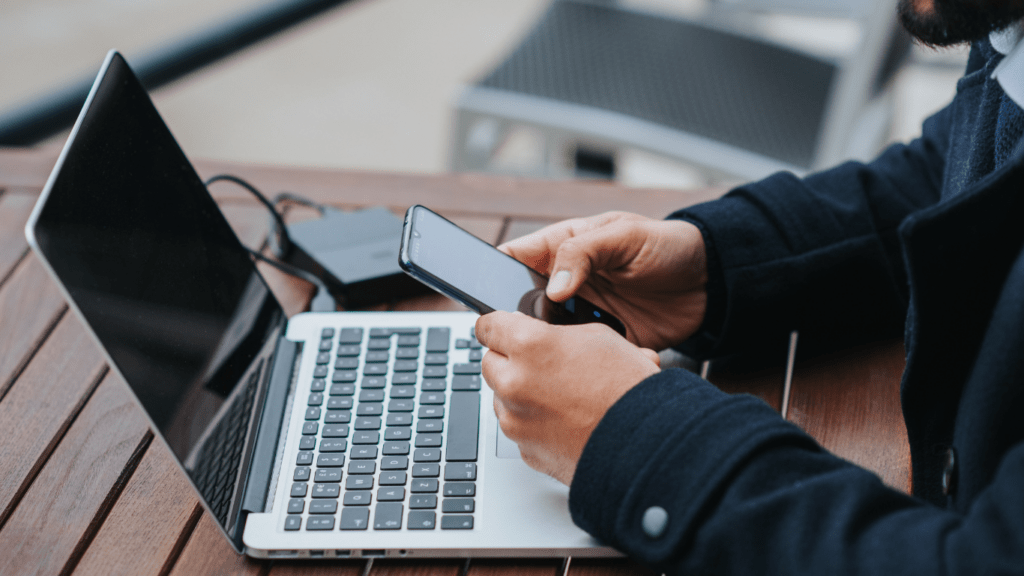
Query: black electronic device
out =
(354, 253)
(466, 269)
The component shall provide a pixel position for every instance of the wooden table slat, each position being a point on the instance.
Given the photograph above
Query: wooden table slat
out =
(516, 567)
(488, 229)
(208, 552)
(451, 567)
(607, 567)
(763, 375)
(157, 509)
(41, 405)
(319, 568)
(518, 228)
(14, 212)
(30, 306)
(849, 401)
(73, 489)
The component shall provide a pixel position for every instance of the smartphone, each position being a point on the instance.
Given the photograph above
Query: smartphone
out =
(483, 278)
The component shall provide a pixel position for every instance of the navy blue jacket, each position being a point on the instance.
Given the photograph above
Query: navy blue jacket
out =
(927, 238)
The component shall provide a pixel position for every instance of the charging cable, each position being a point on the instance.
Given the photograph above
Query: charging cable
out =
(322, 301)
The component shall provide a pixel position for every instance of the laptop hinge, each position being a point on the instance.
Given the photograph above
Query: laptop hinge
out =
(268, 434)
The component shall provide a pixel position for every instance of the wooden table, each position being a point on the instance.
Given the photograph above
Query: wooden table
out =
(84, 489)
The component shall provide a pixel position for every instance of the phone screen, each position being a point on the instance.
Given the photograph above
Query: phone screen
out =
(462, 266)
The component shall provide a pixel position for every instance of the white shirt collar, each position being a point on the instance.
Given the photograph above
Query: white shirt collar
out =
(1010, 72)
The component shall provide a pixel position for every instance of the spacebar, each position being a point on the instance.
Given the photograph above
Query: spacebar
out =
(463, 426)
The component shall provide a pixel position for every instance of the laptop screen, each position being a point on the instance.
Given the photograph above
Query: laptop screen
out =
(160, 277)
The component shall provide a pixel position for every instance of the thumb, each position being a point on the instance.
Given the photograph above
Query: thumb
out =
(652, 356)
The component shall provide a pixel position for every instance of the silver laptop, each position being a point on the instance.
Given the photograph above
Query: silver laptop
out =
(340, 434)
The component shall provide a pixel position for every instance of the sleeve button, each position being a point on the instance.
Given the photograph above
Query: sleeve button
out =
(655, 521)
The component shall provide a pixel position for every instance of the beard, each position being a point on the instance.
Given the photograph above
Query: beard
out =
(951, 22)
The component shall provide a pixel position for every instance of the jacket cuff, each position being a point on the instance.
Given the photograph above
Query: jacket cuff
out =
(672, 441)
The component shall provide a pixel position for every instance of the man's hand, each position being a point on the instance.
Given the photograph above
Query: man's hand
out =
(651, 274)
(553, 384)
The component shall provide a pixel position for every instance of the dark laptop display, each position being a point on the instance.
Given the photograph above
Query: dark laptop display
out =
(163, 281)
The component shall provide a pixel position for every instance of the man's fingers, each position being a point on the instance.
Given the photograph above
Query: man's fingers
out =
(652, 355)
(602, 248)
(508, 332)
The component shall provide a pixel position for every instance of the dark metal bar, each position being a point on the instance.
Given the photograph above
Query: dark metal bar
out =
(50, 113)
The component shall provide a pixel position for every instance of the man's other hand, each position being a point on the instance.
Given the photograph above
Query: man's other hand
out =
(651, 274)
(553, 384)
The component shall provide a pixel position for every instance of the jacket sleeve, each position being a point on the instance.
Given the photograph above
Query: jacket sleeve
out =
(819, 254)
(748, 493)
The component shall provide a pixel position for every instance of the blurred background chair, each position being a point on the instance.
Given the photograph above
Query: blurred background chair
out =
(714, 92)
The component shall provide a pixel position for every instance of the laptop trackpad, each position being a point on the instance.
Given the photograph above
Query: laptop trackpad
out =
(506, 447)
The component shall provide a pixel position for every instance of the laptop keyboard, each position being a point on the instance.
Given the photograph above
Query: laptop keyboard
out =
(391, 432)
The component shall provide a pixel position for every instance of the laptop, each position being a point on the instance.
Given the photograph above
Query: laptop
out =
(342, 434)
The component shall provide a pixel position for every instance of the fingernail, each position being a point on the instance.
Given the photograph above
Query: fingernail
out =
(559, 282)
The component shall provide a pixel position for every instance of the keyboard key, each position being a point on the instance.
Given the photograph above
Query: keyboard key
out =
(463, 427)
(399, 419)
(420, 485)
(357, 499)
(371, 396)
(387, 516)
(312, 413)
(398, 434)
(354, 519)
(324, 506)
(426, 470)
(431, 411)
(462, 343)
(394, 463)
(421, 519)
(426, 455)
(325, 345)
(327, 475)
(436, 359)
(304, 459)
(330, 460)
(453, 522)
(363, 453)
(438, 339)
(434, 385)
(338, 417)
(310, 428)
(374, 382)
(342, 390)
(407, 353)
(380, 332)
(296, 506)
(333, 445)
(375, 370)
(403, 391)
(435, 371)
(459, 489)
(346, 363)
(420, 501)
(377, 356)
(391, 494)
(365, 437)
(428, 440)
(293, 522)
(315, 399)
(320, 372)
(350, 336)
(403, 378)
(307, 443)
(464, 505)
(367, 423)
(476, 355)
(468, 368)
(395, 448)
(327, 333)
(392, 478)
(359, 483)
(378, 344)
(335, 430)
(362, 467)
(466, 382)
(348, 351)
(460, 471)
(323, 358)
(344, 376)
(318, 385)
(475, 344)
(373, 409)
(432, 398)
(399, 406)
(326, 490)
(405, 366)
(301, 474)
(408, 340)
(298, 490)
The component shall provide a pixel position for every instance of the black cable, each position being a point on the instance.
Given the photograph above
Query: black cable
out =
(278, 228)
(322, 301)
(300, 200)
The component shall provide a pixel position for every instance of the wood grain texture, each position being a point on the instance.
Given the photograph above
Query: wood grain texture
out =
(41, 405)
(75, 485)
(607, 567)
(849, 402)
(515, 567)
(208, 552)
(26, 167)
(30, 304)
(467, 194)
(319, 568)
(140, 533)
(518, 228)
(250, 221)
(417, 567)
(763, 374)
(14, 212)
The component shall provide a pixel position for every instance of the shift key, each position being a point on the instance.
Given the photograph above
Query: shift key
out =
(463, 426)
